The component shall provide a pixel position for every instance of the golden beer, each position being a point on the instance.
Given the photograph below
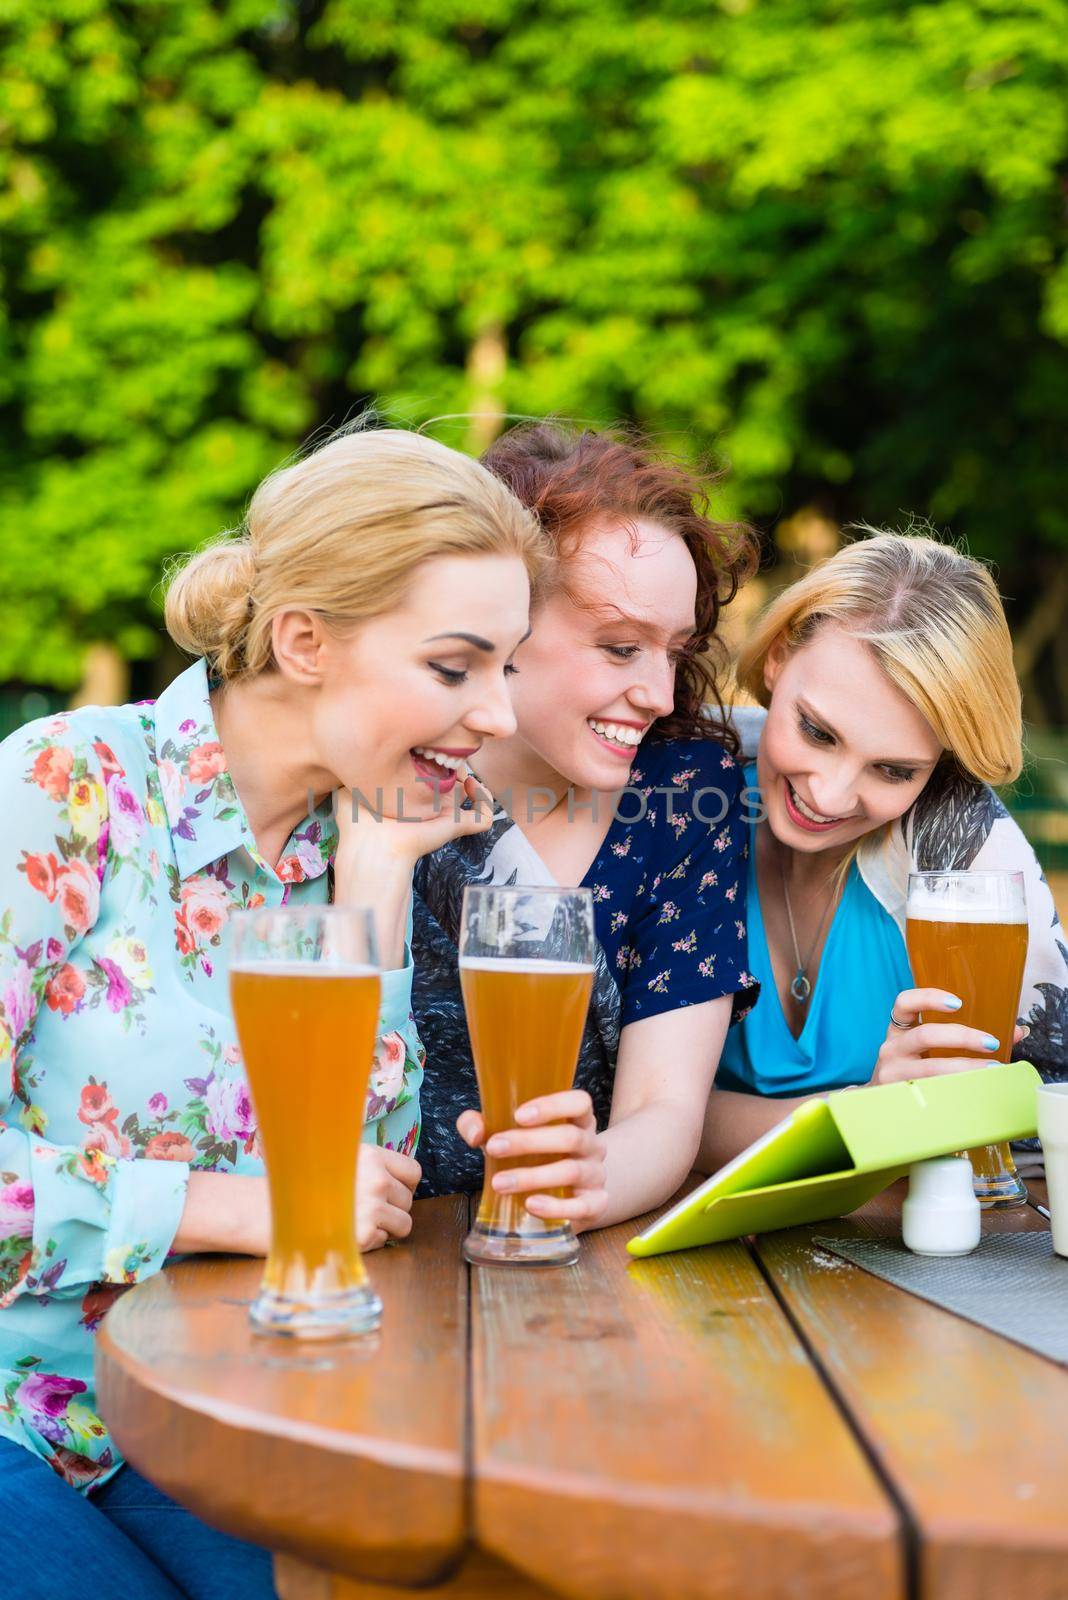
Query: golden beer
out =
(526, 1020)
(979, 956)
(308, 1037)
(305, 993)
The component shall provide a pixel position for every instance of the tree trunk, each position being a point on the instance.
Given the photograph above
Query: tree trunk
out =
(106, 678)
(487, 361)
(1037, 633)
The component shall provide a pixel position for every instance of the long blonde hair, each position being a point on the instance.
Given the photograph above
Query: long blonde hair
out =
(342, 532)
(933, 619)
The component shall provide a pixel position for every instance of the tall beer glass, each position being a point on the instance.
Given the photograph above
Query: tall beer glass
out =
(305, 991)
(526, 970)
(967, 933)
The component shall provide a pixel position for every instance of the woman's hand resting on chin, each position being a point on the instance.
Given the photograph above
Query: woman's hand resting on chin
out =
(364, 834)
(376, 857)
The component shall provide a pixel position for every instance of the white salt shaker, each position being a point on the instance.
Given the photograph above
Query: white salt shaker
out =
(940, 1216)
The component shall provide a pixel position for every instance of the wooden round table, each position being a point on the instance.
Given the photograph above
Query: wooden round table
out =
(721, 1422)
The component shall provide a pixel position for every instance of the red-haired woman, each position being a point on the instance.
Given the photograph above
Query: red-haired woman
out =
(616, 779)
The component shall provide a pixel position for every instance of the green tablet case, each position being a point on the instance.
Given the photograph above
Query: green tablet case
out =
(829, 1156)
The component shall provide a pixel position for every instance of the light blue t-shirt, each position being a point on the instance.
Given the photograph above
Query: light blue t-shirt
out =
(863, 969)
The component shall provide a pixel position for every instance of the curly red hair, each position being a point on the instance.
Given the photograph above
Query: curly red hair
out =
(570, 479)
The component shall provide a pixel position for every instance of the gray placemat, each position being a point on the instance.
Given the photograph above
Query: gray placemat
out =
(1012, 1283)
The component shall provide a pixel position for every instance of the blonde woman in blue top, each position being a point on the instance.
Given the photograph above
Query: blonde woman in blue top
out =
(892, 711)
(362, 624)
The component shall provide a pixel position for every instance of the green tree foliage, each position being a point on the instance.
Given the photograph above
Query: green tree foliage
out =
(824, 238)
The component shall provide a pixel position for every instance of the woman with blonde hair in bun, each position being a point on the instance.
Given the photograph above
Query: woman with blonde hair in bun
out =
(891, 712)
(356, 636)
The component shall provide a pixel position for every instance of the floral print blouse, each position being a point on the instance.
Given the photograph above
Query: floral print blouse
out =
(125, 848)
(669, 907)
(669, 882)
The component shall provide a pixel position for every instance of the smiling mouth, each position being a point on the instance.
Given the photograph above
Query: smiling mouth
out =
(804, 815)
(438, 766)
(440, 758)
(616, 734)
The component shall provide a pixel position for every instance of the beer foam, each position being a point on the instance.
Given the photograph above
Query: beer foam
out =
(524, 964)
(303, 969)
(954, 909)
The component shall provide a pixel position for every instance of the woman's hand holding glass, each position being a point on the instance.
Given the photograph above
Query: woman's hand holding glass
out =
(902, 1054)
(560, 1128)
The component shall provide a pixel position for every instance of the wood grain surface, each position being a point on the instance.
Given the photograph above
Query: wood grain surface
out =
(654, 1430)
(971, 1430)
(757, 1420)
(349, 1454)
(479, 1577)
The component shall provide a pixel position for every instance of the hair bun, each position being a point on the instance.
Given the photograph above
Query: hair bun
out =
(209, 603)
(340, 533)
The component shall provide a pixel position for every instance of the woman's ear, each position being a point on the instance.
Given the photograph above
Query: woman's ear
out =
(774, 661)
(297, 639)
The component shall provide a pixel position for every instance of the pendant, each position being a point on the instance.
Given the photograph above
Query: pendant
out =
(800, 987)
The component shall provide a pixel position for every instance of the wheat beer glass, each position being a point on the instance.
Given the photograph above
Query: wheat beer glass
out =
(526, 970)
(967, 934)
(304, 986)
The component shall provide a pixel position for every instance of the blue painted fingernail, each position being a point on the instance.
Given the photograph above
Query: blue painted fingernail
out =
(991, 1043)
(952, 1002)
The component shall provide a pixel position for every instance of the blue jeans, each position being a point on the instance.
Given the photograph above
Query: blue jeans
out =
(125, 1539)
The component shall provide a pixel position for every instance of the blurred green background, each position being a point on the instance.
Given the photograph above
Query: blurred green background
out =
(823, 243)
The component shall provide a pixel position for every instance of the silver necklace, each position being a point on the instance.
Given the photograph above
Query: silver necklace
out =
(800, 985)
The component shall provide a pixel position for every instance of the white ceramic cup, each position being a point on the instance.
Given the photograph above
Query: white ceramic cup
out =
(1053, 1132)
